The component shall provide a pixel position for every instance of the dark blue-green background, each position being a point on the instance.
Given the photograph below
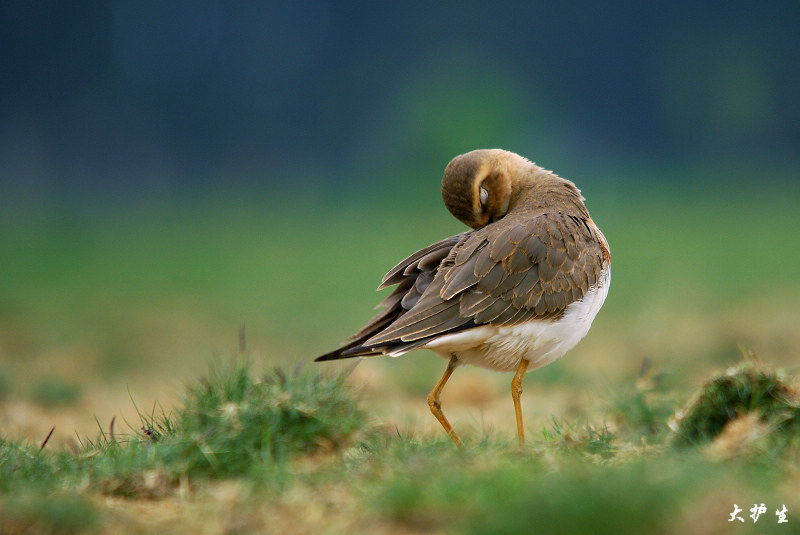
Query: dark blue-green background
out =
(164, 100)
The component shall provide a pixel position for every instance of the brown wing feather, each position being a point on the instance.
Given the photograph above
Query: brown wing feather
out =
(426, 259)
(528, 271)
(504, 274)
(412, 276)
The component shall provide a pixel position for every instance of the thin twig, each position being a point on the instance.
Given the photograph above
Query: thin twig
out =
(47, 438)
(100, 427)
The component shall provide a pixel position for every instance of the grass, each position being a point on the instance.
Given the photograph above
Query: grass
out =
(752, 403)
(230, 426)
(302, 435)
(52, 513)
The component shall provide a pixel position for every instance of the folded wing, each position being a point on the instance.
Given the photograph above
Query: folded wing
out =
(503, 274)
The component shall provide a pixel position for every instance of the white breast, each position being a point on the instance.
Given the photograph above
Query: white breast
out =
(539, 341)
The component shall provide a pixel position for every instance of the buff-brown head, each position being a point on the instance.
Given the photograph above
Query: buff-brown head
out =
(482, 186)
(477, 186)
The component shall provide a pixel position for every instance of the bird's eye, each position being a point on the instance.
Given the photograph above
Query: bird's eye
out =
(484, 196)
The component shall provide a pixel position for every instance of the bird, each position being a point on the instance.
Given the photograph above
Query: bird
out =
(513, 293)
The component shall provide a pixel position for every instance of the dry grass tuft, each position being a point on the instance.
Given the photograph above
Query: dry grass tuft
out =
(746, 405)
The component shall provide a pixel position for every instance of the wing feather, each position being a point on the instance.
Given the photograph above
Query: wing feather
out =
(505, 273)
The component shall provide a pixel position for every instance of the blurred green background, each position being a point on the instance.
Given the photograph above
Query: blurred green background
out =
(170, 172)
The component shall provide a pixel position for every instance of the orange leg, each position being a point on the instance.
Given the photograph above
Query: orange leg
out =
(516, 390)
(436, 405)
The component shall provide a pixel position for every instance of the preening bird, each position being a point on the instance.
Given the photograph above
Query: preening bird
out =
(513, 293)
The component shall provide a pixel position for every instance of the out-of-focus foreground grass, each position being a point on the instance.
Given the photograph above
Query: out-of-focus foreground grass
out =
(293, 452)
(102, 310)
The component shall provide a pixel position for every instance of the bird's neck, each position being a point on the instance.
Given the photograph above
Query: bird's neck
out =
(547, 192)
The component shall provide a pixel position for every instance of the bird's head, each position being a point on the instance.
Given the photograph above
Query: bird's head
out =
(477, 186)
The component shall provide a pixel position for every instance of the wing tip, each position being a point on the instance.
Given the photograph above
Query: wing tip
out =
(348, 353)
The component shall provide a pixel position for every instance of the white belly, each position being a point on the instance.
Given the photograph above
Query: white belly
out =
(539, 341)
